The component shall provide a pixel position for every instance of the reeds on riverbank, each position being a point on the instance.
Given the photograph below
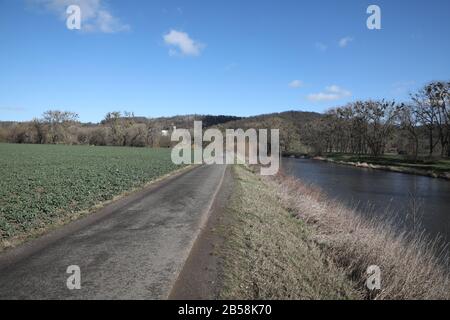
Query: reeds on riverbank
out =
(268, 254)
(411, 265)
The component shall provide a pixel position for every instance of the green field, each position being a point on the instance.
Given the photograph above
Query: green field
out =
(40, 184)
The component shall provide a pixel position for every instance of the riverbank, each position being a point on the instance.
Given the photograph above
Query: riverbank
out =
(268, 253)
(434, 169)
(285, 240)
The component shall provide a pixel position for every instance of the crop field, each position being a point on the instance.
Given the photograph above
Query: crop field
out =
(40, 184)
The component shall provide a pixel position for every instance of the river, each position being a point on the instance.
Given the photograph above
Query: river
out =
(378, 192)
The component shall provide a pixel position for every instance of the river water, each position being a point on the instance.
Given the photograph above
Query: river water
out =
(383, 193)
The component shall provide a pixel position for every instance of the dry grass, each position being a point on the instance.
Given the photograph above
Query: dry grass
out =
(410, 267)
(270, 254)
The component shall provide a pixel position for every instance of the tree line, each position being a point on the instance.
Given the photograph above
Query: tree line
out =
(415, 128)
(420, 126)
(116, 129)
(63, 127)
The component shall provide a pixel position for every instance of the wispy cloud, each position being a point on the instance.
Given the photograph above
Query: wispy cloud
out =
(331, 93)
(321, 46)
(345, 41)
(182, 44)
(12, 109)
(402, 87)
(95, 14)
(296, 84)
(231, 66)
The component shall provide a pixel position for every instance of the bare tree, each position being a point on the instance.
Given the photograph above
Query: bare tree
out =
(409, 121)
(113, 121)
(426, 113)
(380, 117)
(58, 122)
(438, 95)
(40, 129)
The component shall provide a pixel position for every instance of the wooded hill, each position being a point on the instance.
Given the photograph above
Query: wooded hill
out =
(126, 129)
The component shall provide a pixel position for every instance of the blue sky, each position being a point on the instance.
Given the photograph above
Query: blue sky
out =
(160, 58)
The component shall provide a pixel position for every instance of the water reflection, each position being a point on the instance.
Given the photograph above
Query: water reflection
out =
(388, 193)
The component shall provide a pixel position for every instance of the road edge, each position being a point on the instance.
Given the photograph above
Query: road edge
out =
(186, 284)
(55, 232)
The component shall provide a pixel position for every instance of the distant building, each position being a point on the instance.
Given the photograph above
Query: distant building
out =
(167, 132)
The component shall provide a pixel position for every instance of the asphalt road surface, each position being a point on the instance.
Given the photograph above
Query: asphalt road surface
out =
(132, 249)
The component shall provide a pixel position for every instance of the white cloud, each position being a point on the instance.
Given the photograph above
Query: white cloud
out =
(296, 84)
(182, 44)
(331, 93)
(321, 47)
(95, 16)
(345, 41)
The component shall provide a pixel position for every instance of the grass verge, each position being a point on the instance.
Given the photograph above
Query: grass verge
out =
(270, 254)
(287, 240)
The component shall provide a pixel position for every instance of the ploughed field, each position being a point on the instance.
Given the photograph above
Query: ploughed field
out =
(43, 184)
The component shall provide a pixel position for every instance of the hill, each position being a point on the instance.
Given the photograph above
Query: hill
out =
(292, 126)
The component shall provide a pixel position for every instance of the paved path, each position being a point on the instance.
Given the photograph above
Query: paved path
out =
(132, 249)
